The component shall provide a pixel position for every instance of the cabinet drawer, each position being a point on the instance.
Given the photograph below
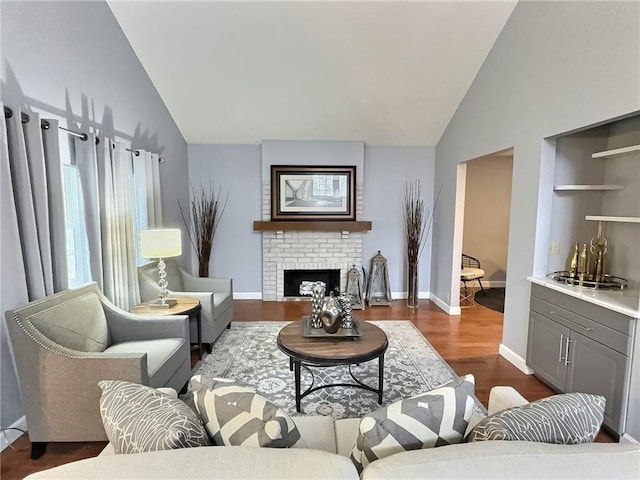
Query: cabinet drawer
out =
(614, 320)
(585, 326)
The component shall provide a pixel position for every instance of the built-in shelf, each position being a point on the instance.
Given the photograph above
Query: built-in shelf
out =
(605, 218)
(314, 226)
(575, 188)
(616, 151)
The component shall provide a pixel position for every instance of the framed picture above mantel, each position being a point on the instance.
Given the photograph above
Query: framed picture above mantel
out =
(313, 193)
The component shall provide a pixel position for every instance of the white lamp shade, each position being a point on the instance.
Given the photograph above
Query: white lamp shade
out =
(161, 243)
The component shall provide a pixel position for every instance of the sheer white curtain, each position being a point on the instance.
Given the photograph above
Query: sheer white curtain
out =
(109, 196)
(151, 164)
(115, 172)
(87, 163)
(105, 175)
(31, 157)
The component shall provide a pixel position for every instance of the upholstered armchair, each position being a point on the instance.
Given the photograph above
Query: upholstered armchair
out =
(64, 344)
(215, 295)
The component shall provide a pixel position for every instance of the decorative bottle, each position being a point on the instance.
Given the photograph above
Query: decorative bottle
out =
(583, 262)
(573, 266)
(599, 268)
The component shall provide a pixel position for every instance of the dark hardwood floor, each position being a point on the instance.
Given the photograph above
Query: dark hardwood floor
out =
(469, 343)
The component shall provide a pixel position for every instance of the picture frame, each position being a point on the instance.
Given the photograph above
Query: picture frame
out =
(313, 193)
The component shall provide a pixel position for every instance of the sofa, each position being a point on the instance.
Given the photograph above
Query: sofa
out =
(215, 296)
(329, 444)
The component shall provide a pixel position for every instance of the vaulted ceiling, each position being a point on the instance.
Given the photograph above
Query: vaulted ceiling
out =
(387, 73)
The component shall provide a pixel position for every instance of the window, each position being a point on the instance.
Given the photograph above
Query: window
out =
(77, 245)
(78, 256)
(139, 200)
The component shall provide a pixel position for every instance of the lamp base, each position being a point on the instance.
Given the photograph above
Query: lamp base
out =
(168, 303)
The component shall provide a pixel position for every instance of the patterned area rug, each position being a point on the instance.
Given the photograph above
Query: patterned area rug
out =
(248, 353)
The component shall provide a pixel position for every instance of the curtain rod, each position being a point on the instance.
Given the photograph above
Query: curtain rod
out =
(45, 125)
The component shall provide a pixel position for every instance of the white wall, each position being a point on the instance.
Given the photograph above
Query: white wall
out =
(556, 67)
(70, 60)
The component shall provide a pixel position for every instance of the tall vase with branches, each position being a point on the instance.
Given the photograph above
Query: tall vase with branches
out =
(417, 224)
(206, 211)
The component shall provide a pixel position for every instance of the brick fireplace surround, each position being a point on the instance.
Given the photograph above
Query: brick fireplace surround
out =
(298, 250)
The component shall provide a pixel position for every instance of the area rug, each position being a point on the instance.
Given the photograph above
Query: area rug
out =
(492, 298)
(248, 353)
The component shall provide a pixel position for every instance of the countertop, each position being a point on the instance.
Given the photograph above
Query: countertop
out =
(625, 301)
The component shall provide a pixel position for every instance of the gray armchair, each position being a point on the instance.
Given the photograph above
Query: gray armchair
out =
(215, 295)
(64, 344)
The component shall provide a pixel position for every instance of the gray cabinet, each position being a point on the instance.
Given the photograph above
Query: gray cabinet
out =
(546, 349)
(575, 346)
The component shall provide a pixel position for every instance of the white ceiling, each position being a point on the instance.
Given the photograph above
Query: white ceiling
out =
(387, 73)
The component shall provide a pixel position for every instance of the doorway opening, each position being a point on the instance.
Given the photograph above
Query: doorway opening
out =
(483, 210)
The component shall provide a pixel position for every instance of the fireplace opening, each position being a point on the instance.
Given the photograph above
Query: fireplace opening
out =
(293, 280)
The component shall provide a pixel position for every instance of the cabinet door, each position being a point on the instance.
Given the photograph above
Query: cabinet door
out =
(546, 350)
(595, 368)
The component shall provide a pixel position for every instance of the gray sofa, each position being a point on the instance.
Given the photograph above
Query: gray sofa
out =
(215, 296)
(329, 445)
(64, 344)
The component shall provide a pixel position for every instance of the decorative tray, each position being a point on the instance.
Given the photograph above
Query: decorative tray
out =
(608, 282)
(309, 332)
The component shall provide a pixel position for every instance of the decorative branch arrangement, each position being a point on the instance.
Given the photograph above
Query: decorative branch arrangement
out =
(205, 215)
(417, 224)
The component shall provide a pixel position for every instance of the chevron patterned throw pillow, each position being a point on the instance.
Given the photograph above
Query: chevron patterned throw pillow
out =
(235, 414)
(431, 419)
(567, 418)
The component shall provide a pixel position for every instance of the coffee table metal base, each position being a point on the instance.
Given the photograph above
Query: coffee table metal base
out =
(296, 365)
(332, 352)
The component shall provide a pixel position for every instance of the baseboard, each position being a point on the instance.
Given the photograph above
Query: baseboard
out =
(494, 283)
(404, 295)
(247, 295)
(394, 296)
(515, 359)
(7, 437)
(626, 438)
(444, 306)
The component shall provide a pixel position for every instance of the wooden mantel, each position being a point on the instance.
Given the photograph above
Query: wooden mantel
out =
(315, 226)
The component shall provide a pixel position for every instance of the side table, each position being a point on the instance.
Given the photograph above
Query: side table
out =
(184, 306)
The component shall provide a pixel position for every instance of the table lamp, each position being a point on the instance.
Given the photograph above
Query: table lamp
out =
(161, 243)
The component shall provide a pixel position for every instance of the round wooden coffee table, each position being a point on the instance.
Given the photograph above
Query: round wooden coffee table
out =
(332, 351)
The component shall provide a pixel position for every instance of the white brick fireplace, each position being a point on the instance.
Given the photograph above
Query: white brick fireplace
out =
(294, 250)
(308, 250)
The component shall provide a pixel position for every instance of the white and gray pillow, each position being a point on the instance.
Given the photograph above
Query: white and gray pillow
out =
(568, 418)
(431, 419)
(235, 414)
(138, 419)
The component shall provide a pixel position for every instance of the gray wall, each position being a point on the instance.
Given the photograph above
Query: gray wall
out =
(385, 171)
(240, 170)
(70, 60)
(237, 249)
(556, 67)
